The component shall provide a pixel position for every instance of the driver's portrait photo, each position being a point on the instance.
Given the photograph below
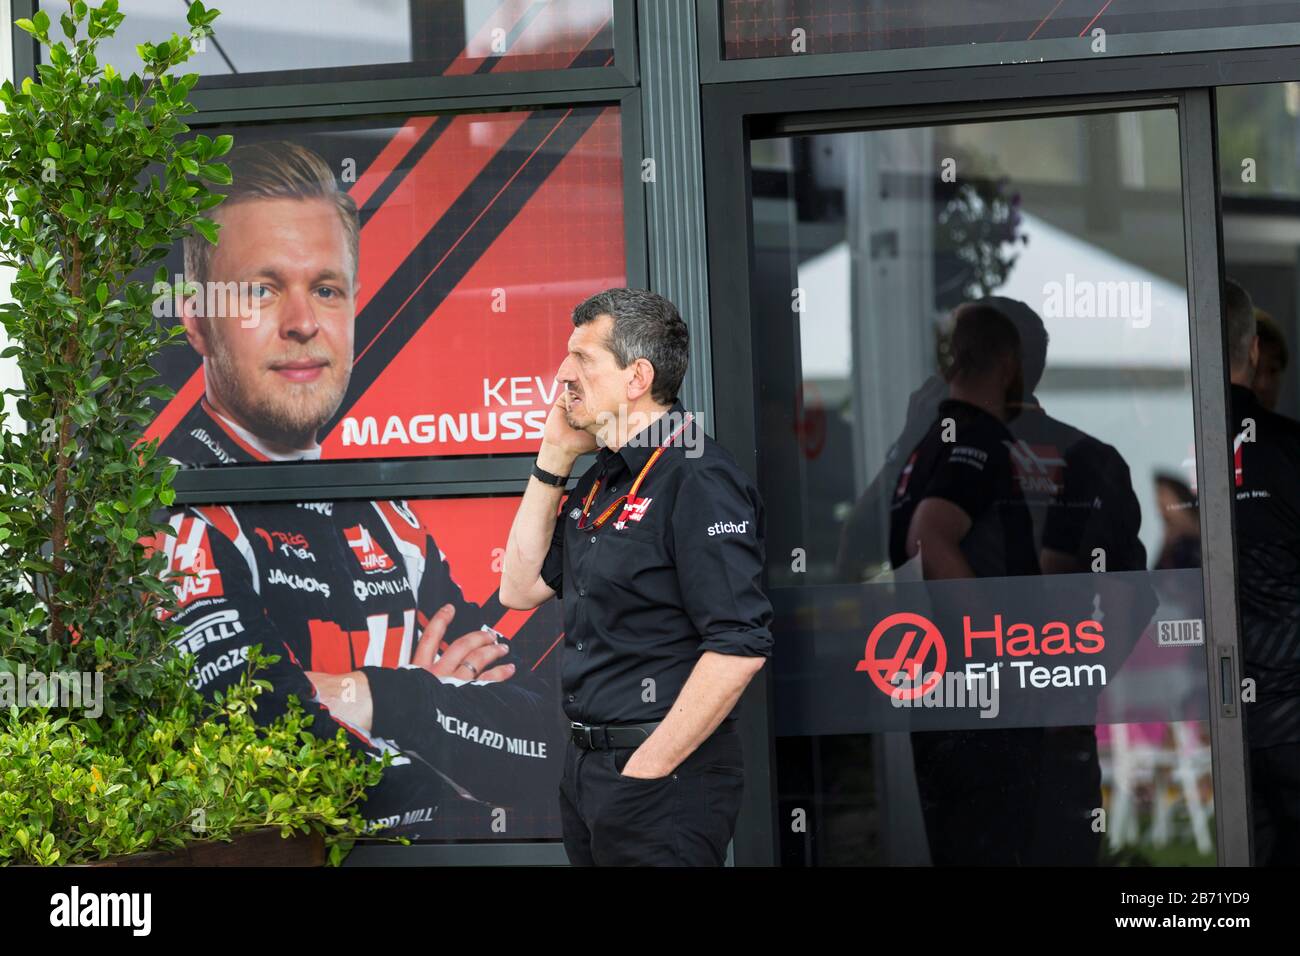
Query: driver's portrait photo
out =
(372, 630)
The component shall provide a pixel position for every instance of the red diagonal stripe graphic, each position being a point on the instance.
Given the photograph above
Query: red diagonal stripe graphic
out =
(465, 232)
(530, 50)
(504, 17)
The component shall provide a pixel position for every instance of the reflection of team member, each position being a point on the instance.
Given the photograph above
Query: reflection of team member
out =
(1086, 518)
(946, 504)
(355, 597)
(1078, 488)
(1082, 506)
(1273, 360)
(956, 507)
(1181, 517)
(1267, 461)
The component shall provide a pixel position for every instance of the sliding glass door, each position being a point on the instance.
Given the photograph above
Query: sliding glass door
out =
(980, 405)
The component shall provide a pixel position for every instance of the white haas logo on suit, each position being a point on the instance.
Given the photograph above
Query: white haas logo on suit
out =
(368, 552)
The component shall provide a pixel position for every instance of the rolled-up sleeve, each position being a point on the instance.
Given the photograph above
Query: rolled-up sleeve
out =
(717, 538)
(553, 563)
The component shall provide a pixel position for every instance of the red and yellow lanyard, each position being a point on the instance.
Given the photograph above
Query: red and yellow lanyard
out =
(629, 498)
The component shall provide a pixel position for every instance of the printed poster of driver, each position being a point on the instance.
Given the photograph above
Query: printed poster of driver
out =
(374, 632)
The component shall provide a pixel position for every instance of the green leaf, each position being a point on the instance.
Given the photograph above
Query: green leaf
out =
(216, 173)
(207, 229)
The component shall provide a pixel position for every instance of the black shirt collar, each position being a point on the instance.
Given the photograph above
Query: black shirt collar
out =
(640, 447)
(949, 406)
(1243, 397)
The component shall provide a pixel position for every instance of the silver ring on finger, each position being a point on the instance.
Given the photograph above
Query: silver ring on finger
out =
(472, 669)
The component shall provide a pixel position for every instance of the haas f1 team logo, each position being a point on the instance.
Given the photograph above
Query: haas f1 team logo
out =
(633, 510)
(909, 641)
(367, 550)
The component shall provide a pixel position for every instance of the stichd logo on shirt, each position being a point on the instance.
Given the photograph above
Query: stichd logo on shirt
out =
(728, 527)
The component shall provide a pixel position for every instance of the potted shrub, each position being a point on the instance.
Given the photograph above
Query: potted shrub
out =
(111, 752)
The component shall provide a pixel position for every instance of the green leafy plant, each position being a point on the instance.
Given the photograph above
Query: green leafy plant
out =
(99, 179)
(979, 226)
(76, 791)
(96, 183)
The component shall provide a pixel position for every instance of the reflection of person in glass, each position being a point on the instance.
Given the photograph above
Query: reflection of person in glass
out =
(1078, 488)
(1082, 509)
(355, 597)
(1266, 463)
(956, 508)
(1086, 519)
(1181, 517)
(1274, 356)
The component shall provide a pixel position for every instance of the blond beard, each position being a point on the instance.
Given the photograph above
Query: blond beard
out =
(287, 422)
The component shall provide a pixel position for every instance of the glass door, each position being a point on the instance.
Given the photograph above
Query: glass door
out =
(977, 428)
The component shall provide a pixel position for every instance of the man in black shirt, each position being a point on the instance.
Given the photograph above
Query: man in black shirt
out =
(1266, 466)
(1086, 520)
(1082, 508)
(658, 553)
(1274, 356)
(956, 503)
(957, 508)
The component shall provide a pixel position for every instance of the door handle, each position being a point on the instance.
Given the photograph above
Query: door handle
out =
(1227, 683)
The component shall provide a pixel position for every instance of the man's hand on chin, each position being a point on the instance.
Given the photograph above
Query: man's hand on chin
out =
(346, 696)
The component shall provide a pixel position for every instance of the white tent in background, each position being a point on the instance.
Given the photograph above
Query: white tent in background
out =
(1050, 256)
(1053, 254)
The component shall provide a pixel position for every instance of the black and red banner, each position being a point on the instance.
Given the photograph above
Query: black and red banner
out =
(1055, 650)
(393, 597)
(478, 235)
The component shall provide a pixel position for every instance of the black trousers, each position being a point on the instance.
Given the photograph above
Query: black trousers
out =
(979, 791)
(684, 819)
(1275, 802)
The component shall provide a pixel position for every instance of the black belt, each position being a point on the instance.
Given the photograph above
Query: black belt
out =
(614, 736)
(611, 736)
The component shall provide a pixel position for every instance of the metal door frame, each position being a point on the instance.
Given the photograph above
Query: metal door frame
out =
(734, 111)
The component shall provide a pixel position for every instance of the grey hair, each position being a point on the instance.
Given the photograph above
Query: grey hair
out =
(1239, 320)
(646, 326)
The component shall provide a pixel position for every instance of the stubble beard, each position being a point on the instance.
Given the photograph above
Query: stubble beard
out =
(290, 417)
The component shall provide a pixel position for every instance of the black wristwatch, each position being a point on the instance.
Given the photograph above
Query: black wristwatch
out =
(547, 478)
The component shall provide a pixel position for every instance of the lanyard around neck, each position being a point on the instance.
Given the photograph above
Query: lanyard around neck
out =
(605, 515)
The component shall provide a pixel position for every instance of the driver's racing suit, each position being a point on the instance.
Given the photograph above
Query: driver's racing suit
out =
(351, 585)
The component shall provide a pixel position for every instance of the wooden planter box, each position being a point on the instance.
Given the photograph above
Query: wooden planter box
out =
(264, 847)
